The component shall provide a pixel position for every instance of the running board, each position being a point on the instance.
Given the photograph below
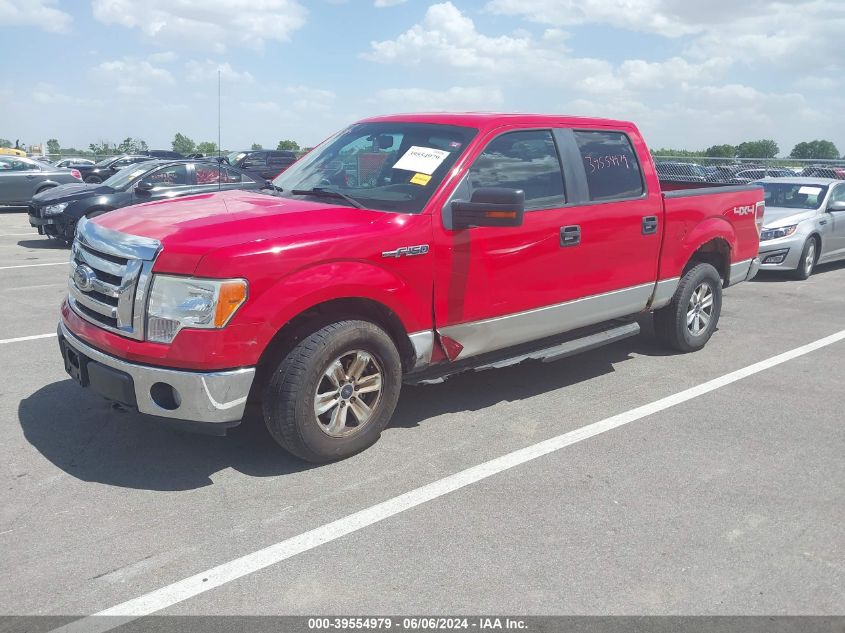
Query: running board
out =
(439, 373)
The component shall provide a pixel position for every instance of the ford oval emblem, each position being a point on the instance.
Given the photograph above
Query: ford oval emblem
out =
(84, 277)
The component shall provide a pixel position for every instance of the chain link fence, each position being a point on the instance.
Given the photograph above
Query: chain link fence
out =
(744, 170)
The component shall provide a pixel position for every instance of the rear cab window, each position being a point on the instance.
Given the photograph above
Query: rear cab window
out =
(611, 165)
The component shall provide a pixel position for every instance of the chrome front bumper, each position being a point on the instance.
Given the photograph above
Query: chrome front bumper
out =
(214, 397)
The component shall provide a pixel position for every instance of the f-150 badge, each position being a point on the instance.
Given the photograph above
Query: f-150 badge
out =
(408, 251)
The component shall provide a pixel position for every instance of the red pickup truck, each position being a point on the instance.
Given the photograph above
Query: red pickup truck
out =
(403, 248)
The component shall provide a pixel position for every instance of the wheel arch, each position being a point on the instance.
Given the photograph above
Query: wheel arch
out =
(325, 312)
(716, 252)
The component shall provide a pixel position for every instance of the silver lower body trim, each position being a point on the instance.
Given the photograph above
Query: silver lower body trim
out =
(753, 269)
(664, 290)
(423, 343)
(213, 397)
(739, 272)
(489, 335)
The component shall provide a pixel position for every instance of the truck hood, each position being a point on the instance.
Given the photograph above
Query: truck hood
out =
(194, 226)
(775, 217)
(70, 192)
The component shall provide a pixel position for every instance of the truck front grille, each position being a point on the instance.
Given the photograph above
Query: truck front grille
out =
(109, 278)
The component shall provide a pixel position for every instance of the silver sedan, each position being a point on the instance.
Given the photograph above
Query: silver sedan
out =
(22, 178)
(803, 224)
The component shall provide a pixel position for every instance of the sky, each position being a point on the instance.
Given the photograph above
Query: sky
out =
(690, 74)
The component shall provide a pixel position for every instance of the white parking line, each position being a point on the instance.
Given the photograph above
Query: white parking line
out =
(25, 338)
(18, 234)
(64, 263)
(37, 286)
(255, 561)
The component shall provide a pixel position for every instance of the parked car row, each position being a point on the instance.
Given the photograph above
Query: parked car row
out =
(56, 211)
(123, 180)
(740, 173)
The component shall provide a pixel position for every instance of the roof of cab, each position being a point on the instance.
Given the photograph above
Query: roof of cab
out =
(493, 119)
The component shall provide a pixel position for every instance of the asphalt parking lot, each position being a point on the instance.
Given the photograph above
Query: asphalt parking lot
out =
(731, 502)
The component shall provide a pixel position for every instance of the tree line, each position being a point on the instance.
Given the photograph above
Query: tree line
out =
(762, 148)
(130, 145)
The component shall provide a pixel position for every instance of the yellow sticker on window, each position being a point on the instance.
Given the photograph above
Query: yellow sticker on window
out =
(420, 179)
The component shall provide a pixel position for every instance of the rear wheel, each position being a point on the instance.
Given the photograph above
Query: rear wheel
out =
(690, 319)
(93, 180)
(333, 394)
(808, 260)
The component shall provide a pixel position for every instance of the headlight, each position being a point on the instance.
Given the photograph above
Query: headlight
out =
(177, 302)
(773, 234)
(55, 209)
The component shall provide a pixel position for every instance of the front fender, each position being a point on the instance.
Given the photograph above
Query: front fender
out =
(343, 279)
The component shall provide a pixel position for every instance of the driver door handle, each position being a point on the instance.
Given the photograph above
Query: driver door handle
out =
(570, 235)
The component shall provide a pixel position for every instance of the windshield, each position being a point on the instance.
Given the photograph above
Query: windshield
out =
(234, 157)
(127, 175)
(387, 166)
(794, 195)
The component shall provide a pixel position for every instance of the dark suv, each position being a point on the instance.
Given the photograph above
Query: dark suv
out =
(263, 164)
(56, 212)
(107, 167)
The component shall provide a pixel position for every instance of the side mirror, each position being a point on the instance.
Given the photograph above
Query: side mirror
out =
(145, 186)
(489, 206)
(837, 206)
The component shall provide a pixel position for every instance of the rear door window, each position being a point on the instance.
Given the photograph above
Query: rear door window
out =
(613, 171)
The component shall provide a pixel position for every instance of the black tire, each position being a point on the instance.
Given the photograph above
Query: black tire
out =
(807, 263)
(70, 228)
(289, 395)
(93, 180)
(671, 322)
(43, 189)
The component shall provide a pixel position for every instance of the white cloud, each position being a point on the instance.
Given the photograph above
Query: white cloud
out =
(454, 98)
(214, 24)
(308, 99)
(40, 13)
(704, 95)
(639, 15)
(766, 31)
(132, 76)
(165, 57)
(48, 94)
(380, 4)
(206, 71)
(448, 37)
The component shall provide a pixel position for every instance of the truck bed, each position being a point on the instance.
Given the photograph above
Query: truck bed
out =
(697, 212)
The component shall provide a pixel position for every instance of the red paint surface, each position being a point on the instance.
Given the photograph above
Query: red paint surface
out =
(298, 253)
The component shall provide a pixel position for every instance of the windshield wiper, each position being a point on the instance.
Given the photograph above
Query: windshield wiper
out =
(327, 193)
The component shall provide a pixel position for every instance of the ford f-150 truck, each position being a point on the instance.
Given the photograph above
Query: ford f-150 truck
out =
(402, 249)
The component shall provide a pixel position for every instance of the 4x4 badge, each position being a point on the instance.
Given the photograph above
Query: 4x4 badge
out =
(407, 251)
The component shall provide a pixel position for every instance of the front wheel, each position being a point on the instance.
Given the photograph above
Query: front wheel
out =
(333, 394)
(690, 319)
(807, 262)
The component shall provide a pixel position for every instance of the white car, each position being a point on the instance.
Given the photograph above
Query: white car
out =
(803, 224)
